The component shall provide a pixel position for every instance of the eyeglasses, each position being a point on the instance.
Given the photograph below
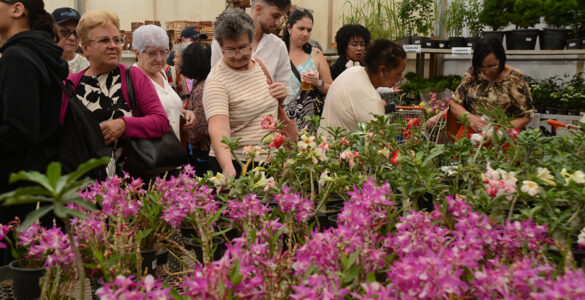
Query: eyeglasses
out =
(153, 54)
(241, 51)
(106, 41)
(490, 67)
(65, 33)
(358, 44)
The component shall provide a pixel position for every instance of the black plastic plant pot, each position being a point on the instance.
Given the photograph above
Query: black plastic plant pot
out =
(572, 44)
(419, 40)
(407, 40)
(196, 247)
(443, 44)
(498, 35)
(162, 256)
(149, 261)
(26, 282)
(583, 43)
(471, 41)
(521, 39)
(457, 41)
(429, 44)
(553, 39)
(188, 231)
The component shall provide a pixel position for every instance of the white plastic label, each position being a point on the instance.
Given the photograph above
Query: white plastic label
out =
(529, 39)
(572, 44)
(412, 48)
(461, 51)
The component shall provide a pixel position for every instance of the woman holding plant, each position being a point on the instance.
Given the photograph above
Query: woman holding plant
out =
(490, 83)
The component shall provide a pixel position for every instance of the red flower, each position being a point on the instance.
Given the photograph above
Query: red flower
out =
(268, 123)
(513, 133)
(394, 159)
(277, 142)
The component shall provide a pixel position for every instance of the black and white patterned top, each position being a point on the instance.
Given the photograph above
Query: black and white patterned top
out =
(102, 94)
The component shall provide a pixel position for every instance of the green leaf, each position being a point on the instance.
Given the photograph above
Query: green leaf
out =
(53, 173)
(350, 276)
(33, 176)
(235, 276)
(217, 215)
(86, 167)
(371, 277)
(27, 200)
(352, 259)
(59, 210)
(34, 216)
(74, 213)
(83, 203)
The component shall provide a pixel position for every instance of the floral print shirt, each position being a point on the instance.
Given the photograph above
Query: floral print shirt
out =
(512, 95)
(198, 137)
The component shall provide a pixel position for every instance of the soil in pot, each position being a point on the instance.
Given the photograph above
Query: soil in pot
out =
(553, 39)
(149, 261)
(498, 35)
(572, 44)
(457, 41)
(26, 282)
(521, 39)
(218, 244)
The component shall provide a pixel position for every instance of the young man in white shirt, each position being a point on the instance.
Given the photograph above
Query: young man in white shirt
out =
(267, 15)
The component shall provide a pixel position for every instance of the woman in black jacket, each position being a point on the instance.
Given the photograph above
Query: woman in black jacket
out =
(352, 41)
(30, 98)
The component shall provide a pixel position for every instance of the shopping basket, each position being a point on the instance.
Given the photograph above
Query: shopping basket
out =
(568, 128)
(436, 134)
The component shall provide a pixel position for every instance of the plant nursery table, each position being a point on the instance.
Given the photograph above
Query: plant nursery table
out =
(435, 56)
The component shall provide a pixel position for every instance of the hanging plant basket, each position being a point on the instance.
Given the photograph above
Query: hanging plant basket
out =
(524, 39)
(553, 39)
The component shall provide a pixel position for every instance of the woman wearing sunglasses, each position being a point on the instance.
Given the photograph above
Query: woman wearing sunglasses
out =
(491, 83)
(102, 87)
(151, 46)
(66, 20)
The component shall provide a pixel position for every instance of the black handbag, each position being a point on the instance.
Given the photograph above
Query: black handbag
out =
(151, 156)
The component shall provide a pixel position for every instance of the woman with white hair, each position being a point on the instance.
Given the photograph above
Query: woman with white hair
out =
(151, 46)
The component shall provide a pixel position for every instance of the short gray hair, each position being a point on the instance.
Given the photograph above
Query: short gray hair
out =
(232, 24)
(149, 36)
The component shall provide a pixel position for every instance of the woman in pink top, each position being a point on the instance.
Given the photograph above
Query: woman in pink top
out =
(102, 86)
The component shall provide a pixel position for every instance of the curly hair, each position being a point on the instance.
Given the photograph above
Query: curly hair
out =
(383, 52)
(346, 33)
(196, 61)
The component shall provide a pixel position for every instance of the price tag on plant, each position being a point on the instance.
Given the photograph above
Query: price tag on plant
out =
(412, 48)
(461, 51)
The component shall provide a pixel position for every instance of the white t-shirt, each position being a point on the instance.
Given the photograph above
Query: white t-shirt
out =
(243, 97)
(351, 99)
(171, 102)
(273, 53)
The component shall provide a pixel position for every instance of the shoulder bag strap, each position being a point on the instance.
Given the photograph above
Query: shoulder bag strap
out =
(130, 91)
(295, 71)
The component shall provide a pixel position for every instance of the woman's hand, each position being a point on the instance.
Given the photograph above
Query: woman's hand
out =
(477, 123)
(230, 171)
(113, 129)
(189, 119)
(313, 79)
(278, 91)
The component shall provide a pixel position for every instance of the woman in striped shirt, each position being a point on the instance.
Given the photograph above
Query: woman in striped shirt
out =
(236, 96)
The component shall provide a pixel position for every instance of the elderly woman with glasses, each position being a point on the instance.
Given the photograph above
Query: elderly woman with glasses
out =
(102, 88)
(490, 83)
(151, 46)
(236, 95)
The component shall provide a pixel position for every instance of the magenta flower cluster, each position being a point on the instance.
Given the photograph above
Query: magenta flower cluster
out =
(250, 210)
(288, 202)
(129, 288)
(4, 230)
(48, 245)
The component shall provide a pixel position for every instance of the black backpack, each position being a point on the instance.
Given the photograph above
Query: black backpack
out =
(81, 137)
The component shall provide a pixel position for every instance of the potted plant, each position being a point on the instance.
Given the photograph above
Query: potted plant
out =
(524, 14)
(456, 22)
(578, 26)
(417, 18)
(472, 11)
(495, 14)
(557, 14)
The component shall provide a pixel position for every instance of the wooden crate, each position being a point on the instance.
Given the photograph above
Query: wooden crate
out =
(150, 22)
